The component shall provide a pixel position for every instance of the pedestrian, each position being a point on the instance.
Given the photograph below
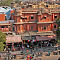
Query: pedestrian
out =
(30, 57)
(27, 46)
(27, 51)
(23, 48)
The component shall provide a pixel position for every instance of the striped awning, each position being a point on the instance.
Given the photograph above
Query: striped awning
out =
(13, 39)
(45, 37)
(45, 33)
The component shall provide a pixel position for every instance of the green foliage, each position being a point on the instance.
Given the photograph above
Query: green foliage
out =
(2, 37)
(1, 46)
(5, 3)
(17, 1)
(58, 21)
(2, 40)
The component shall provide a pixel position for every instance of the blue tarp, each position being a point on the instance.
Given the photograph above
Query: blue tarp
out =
(6, 11)
(8, 15)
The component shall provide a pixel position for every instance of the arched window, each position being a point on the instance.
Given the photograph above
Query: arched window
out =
(55, 16)
(54, 26)
(44, 28)
(32, 17)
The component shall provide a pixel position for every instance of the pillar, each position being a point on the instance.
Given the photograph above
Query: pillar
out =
(21, 28)
(28, 27)
(51, 27)
(53, 17)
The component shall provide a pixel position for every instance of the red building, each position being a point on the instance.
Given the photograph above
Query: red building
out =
(31, 20)
(36, 22)
(5, 25)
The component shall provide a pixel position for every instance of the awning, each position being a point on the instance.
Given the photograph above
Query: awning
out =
(45, 33)
(45, 37)
(26, 38)
(13, 39)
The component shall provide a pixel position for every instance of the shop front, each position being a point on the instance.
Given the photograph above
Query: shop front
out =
(29, 41)
(45, 41)
(14, 42)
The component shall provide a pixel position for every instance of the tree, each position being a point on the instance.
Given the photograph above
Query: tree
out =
(58, 30)
(6, 2)
(17, 1)
(2, 40)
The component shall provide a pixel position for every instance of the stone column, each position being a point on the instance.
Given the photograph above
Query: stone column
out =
(21, 28)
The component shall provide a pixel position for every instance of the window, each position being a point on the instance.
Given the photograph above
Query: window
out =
(32, 17)
(44, 17)
(21, 17)
(31, 27)
(13, 29)
(6, 26)
(55, 16)
(44, 27)
(2, 26)
(46, 5)
(54, 26)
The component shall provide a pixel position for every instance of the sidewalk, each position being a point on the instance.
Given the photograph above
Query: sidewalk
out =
(52, 57)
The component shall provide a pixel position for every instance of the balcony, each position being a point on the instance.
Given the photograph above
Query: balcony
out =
(4, 29)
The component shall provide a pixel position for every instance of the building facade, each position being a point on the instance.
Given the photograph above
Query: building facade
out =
(32, 24)
(31, 20)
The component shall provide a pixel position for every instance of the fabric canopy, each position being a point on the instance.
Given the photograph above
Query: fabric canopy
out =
(11, 39)
(45, 37)
(26, 38)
